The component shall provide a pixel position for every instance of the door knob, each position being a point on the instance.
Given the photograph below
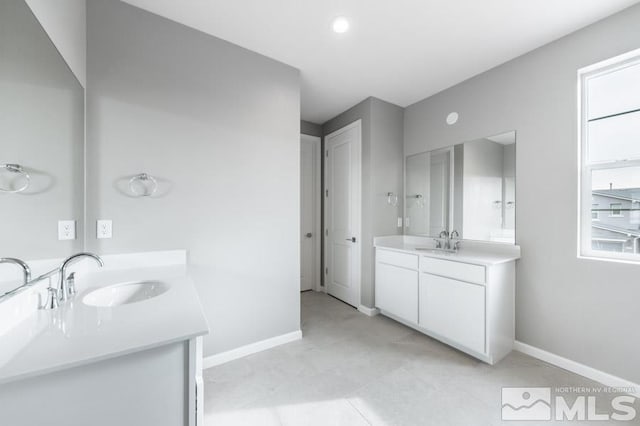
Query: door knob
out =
(352, 239)
(309, 235)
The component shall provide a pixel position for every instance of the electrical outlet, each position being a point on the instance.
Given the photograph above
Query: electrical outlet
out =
(66, 230)
(399, 222)
(104, 229)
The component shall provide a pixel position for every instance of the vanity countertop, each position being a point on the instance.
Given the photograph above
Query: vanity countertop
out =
(477, 253)
(76, 334)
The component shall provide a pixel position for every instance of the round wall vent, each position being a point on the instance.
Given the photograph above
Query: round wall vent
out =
(452, 118)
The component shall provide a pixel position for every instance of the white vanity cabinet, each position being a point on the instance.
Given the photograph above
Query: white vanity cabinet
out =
(464, 300)
(80, 364)
(453, 310)
(397, 284)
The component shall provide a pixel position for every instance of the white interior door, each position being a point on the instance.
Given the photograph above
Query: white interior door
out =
(343, 213)
(310, 270)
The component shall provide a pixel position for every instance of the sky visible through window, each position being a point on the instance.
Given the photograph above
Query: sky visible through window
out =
(612, 159)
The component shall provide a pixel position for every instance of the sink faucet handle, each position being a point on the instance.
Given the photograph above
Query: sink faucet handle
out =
(455, 234)
(52, 299)
(71, 284)
(63, 291)
(445, 235)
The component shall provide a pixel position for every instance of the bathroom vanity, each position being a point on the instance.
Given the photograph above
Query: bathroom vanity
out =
(126, 350)
(464, 299)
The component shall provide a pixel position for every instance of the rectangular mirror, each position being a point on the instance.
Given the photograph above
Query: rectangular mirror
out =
(429, 192)
(469, 187)
(41, 140)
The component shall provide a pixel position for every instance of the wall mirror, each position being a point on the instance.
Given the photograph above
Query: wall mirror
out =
(469, 187)
(41, 141)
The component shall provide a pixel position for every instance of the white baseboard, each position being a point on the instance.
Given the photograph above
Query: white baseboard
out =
(224, 357)
(372, 312)
(577, 368)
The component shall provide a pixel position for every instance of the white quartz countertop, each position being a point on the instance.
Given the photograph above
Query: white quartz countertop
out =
(476, 253)
(76, 334)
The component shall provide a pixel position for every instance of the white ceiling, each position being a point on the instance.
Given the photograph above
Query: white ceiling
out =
(401, 51)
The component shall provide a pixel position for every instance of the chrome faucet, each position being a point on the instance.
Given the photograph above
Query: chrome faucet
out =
(445, 234)
(66, 285)
(448, 242)
(26, 271)
(27, 277)
(455, 238)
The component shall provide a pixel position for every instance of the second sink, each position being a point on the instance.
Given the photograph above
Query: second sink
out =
(125, 293)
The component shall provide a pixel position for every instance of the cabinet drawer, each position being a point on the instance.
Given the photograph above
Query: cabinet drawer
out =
(457, 270)
(397, 291)
(454, 310)
(403, 260)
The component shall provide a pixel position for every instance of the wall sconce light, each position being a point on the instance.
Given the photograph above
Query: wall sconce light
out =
(419, 199)
(392, 199)
(143, 185)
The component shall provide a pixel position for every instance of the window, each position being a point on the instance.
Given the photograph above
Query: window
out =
(610, 159)
(615, 210)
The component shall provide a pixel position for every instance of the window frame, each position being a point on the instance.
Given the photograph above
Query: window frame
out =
(585, 168)
(612, 210)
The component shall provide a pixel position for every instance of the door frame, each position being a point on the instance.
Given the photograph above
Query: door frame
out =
(316, 141)
(357, 274)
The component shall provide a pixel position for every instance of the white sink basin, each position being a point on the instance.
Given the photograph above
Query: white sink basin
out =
(437, 251)
(125, 293)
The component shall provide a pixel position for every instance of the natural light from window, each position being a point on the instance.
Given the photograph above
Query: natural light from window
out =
(610, 159)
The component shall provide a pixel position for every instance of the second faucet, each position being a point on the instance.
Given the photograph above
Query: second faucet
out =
(66, 286)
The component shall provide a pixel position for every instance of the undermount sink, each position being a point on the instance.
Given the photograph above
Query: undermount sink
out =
(125, 293)
(446, 252)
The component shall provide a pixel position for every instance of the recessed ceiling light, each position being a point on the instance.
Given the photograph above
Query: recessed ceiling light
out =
(340, 25)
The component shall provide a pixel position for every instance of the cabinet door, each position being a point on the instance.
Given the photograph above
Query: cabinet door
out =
(397, 291)
(454, 310)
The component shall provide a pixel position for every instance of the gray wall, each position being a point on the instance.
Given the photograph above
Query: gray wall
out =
(584, 310)
(387, 175)
(311, 129)
(41, 128)
(382, 172)
(219, 126)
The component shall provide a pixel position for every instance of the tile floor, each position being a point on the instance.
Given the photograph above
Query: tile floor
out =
(353, 370)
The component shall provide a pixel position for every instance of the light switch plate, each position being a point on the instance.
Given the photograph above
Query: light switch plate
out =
(66, 230)
(104, 229)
